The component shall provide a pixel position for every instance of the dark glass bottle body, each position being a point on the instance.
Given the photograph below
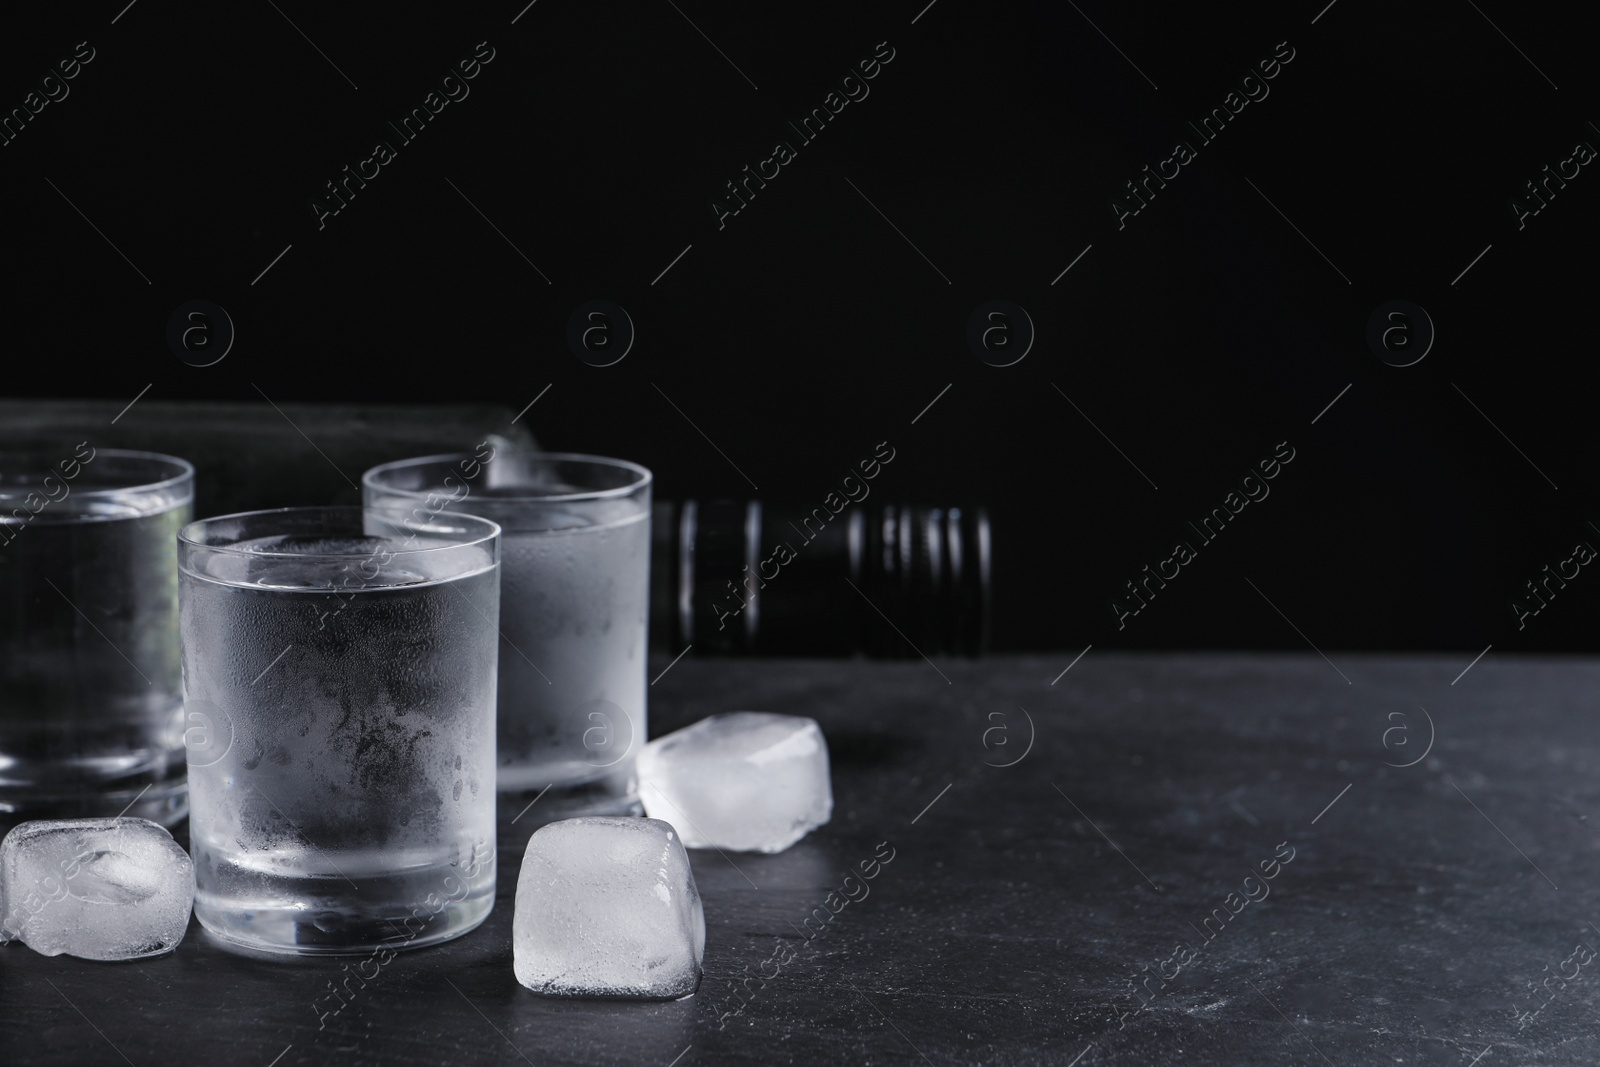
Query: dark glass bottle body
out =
(885, 580)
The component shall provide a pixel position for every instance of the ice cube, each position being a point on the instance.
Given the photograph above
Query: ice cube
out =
(101, 889)
(745, 781)
(607, 907)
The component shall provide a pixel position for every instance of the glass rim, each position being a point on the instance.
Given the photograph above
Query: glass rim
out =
(187, 539)
(185, 471)
(643, 477)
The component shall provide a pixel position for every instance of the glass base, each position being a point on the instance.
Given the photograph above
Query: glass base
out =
(164, 801)
(521, 813)
(327, 917)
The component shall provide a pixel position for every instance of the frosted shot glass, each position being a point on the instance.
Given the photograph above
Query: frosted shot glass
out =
(575, 590)
(90, 705)
(342, 669)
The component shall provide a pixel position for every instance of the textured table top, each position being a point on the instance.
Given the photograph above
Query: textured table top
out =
(1409, 913)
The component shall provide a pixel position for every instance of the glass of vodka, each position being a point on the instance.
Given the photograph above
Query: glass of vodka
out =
(339, 681)
(90, 707)
(575, 590)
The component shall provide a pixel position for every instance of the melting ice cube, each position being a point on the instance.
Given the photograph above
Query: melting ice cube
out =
(102, 889)
(746, 780)
(607, 907)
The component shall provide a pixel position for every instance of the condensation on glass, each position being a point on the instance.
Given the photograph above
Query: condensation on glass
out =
(341, 668)
(575, 598)
(90, 706)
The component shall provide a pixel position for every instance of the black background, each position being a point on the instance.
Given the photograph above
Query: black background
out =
(808, 330)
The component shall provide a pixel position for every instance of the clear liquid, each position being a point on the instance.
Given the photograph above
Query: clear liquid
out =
(90, 712)
(575, 606)
(355, 795)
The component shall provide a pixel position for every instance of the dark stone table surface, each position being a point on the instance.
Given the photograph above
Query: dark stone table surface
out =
(1411, 913)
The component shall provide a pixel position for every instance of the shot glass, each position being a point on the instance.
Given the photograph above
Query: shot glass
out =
(575, 577)
(90, 706)
(339, 673)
